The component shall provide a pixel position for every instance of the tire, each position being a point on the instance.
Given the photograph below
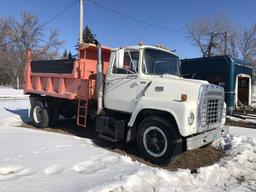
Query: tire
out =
(40, 115)
(158, 140)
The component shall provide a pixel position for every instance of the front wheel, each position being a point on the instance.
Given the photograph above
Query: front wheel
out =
(158, 140)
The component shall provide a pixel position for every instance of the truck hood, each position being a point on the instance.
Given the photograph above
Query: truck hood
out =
(171, 87)
(167, 76)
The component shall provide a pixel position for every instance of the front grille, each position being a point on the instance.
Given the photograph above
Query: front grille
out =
(213, 114)
(211, 108)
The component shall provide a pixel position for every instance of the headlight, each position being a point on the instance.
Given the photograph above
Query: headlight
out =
(191, 118)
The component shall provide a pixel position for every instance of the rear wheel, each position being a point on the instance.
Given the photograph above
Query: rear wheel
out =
(158, 140)
(40, 115)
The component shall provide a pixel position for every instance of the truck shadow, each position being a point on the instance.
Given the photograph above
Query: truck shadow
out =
(22, 113)
(69, 127)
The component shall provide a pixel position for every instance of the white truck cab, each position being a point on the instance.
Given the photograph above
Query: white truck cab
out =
(166, 113)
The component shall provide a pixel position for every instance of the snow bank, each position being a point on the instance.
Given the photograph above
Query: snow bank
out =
(236, 172)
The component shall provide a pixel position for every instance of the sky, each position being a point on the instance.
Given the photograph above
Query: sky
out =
(116, 31)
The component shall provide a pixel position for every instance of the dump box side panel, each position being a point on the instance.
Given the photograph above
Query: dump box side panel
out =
(69, 79)
(44, 80)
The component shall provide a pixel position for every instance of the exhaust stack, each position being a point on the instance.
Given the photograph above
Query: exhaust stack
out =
(99, 81)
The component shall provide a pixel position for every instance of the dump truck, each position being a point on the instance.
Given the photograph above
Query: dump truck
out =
(132, 94)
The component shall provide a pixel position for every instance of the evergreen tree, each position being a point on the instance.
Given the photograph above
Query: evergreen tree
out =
(65, 54)
(88, 36)
(70, 55)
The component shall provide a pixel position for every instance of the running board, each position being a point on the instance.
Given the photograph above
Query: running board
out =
(107, 138)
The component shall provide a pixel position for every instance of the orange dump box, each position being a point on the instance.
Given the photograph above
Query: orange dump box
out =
(67, 79)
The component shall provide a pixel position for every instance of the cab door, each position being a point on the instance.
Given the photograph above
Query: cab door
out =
(121, 84)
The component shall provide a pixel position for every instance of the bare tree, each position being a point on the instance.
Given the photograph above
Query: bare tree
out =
(17, 36)
(233, 43)
(247, 44)
(208, 34)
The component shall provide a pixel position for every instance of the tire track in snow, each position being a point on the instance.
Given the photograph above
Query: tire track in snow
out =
(54, 169)
(94, 165)
(11, 172)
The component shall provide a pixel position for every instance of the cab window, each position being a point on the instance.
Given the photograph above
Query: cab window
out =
(129, 65)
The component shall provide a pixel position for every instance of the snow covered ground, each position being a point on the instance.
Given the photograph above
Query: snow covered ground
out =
(8, 93)
(34, 160)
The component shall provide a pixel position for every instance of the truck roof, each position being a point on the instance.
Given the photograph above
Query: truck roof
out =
(86, 45)
(147, 46)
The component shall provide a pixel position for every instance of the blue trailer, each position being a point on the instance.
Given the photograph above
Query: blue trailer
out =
(233, 74)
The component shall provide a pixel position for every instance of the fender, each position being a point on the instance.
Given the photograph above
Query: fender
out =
(140, 107)
(178, 111)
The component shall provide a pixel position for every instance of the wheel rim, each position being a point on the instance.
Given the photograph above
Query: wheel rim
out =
(37, 114)
(155, 141)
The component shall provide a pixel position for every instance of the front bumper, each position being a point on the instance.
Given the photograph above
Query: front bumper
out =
(204, 138)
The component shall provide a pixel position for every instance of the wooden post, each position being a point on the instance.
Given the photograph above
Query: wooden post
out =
(81, 21)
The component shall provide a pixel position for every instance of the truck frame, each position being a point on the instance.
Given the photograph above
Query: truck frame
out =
(128, 94)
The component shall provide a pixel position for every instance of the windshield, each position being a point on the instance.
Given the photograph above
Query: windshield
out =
(157, 62)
